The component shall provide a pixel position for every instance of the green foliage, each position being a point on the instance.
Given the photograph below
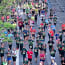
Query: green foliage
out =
(5, 38)
(8, 13)
(9, 4)
(4, 4)
(5, 10)
(1, 22)
(1, 28)
(2, 35)
(9, 40)
(10, 19)
(8, 25)
(1, 8)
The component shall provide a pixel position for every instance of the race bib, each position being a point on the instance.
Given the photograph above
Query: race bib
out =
(23, 52)
(1, 51)
(30, 46)
(35, 50)
(40, 46)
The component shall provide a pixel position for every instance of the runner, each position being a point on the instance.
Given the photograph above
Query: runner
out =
(2, 52)
(4, 62)
(52, 53)
(30, 43)
(9, 56)
(63, 61)
(36, 52)
(21, 44)
(25, 62)
(50, 42)
(17, 40)
(20, 24)
(42, 57)
(53, 62)
(14, 56)
(30, 53)
(10, 43)
(55, 20)
(24, 51)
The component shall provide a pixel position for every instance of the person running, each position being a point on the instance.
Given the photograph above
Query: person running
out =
(60, 35)
(30, 53)
(17, 40)
(2, 52)
(55, 20)
(53, 62)
(52, 53)
(30, 43)
(53, 27)
(24, 51)
(25, 33)
(40, 46)
(9, 56)
(14, 56)
(25, 62)
(21, 43)
(63, 61)
(4, 62)
(20, 24)
(50, 43)
(36, 52)
(10, 43)
(42, 57)
(51, 13)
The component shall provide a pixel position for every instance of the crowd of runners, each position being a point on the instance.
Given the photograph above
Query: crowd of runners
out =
(29, 32)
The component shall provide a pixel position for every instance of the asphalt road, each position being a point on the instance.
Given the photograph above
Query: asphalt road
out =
(59, 5)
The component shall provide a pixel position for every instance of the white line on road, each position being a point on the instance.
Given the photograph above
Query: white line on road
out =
(17, 55)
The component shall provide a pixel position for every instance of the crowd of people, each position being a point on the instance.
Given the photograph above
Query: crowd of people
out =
(32, 32)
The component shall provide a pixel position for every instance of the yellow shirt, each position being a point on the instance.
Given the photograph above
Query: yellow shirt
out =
(36, 11)
(33, 18)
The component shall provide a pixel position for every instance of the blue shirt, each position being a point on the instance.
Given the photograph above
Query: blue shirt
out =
(53, 27)
(46, 21)
(57, 36)
(10, 35)
(25, 31)
(42, 11)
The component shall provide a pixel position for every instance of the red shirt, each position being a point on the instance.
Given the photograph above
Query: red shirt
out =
(42, 56)
(41, 24)
(34, 30)
(31, 29)
(20, 23)
(51, 33)
(30, 53)
(63, 26)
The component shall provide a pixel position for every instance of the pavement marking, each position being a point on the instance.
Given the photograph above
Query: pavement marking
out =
(17, 55)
